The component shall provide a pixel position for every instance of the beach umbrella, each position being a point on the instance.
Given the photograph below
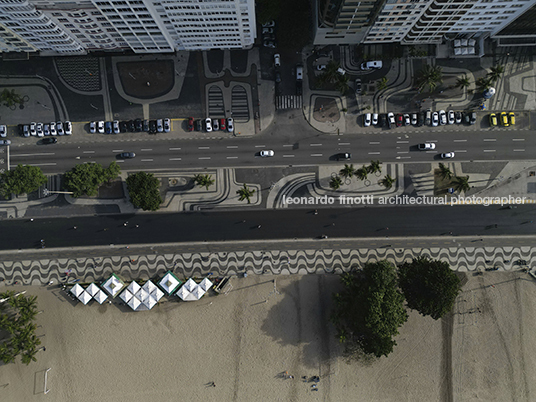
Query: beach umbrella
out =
(157, 294)
(100, 296)
(134, 303)
(76, 290)
(133, 287)
(84, 297)
(198, 293)
(142, 294)
(149, 302)
(183, 293)
(205, 284)
(113, 285)
(149, 286)
(92, 289)
(169, 283)
(190, 285)
(126, 296)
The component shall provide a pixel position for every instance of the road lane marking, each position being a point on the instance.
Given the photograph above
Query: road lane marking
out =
(344, 143)
(288, 145)
(203, 147)
(403, 152)
(175, 159)
(232, 157)
(38, 154)
(204, 157)
(519, 150)
(175, 149)
(232, 146)
(490, 139)
(146, 149)
(146, 160)
(117, 150)
(288, 156)
(374, 142)
(460, 140)
(38, 164)
(316, 154)
(315, 145)
(490, 150)
(88, 152)
(461, 150)
(402, 142)
(260, 146)
(373, 153)
(518, 139)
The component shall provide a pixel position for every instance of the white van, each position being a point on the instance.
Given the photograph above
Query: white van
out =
(371, 64)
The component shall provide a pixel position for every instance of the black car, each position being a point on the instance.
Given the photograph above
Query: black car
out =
(152, 127)
(131, 126)
(277, 77)
(123, 127)
(298, 88)
(126, 155)
(21, 130)
(146, 126)
(49, 140)
(198, 126)
(138, 125)
(343, 156)
(108, 127)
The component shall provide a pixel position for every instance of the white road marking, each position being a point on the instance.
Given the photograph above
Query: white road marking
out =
(146, 149)
(203, 147)
(260, 146)
(37, 164)
(175, 159)
(146, 160)
(175, 149)
(288, 145)
(39, 154)
(461, 150)
(403, 152)
(519, 150)
(120, 161)
(490, 139)
(374, 142)
(88, 152)
(518, 139)
(117, 150)
(232, 157)
(232, 146)
(373, 153)
(288, 156)
(316, 154)
(402, 142)
(344, 143)
(490, 150)
(460, 140)
(204, 157)
(315, 145)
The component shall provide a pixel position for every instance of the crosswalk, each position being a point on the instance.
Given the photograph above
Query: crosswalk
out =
(215, 102)
(288, 102)
(239, 103)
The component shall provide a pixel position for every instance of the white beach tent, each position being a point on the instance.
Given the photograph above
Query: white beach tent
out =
(84, 297)
(134, 303)
(133, 287)
(185, 294)
(126, 296)
(149, 302)
(92, 289)
(198, 292)
(190, 285)
(113, 285)
(157, 294)
(149, 286)
(100, 296)
(76, 290)
(206, 284)
(169, 283)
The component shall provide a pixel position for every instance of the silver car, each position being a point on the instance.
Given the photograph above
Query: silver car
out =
(160, 125)
(167, 125)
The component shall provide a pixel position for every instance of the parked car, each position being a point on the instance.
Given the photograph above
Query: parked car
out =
(116, 127)
(493, 119)
(46, 130)
(266, 153)
(53, 128)
(127, 155)
(407, 120)
(442, 117)
(344, 156)
(101, 127)
(452, 119)
(24, 130)
(367, 119)
(414, 119)
(49, 140)
(267, 31)
(123, 127)
(357, 86)
(270, 44)
(108, 127)
(152, 127)
(269, 24)
(299, 72)
(68, 127)
(399, 120)
(39, 129)
(131, 126)
(59, 128)
(375, 119)
(215, 124)
(208, 125)
(160, 125)
(5, 142)
(222, 125)
(426, 146)
(167, 125)
(473, 118)
(512, 117)
(198, 125)
(230, 124)
(458, 117)
(146, 127)
(92, 127)
(447, 155)
(3, 131)
(504, 120)
(435, 119)
(33, 131)
(190, 124)
(277, 60)
(138, 125)
(391, 119)
(277, 77)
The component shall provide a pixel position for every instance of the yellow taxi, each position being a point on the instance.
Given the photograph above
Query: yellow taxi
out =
(512, 118)
(493, 119)
(504, 119)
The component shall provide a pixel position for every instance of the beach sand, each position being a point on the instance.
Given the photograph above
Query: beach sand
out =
(245, 340)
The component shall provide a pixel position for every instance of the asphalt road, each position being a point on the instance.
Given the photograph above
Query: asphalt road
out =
(401, 221)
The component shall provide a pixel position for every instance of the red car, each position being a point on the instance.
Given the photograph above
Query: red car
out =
(190, 124)
(399, 120)
(222, 124)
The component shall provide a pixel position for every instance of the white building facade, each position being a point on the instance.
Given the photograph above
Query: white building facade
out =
(143, 26)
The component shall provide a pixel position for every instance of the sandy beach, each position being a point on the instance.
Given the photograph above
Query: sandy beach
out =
(245, 340)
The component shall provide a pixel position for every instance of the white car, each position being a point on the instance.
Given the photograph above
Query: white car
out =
(215, 124)
(407, 120)
(452, 119)
(33, 132)
(53, 128)
(59, 128)
(442, 117)
(277, 60)
(321, 67)
(167, 125)
(46, 129)
(375, 119)
(68, 128)
(447, 155)
(426, 146)
(435, 119)
(208, 125)
(116, 128)
(266, 153)
(92, 127)
(230, 124)
(101, 127)
(3, 131)
(414, 119)
(160, 125)
(5, 142)
(391, 119)
(367, 119)
(39, 129)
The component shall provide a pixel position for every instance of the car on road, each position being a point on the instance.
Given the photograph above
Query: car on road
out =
(299, 72)
(442, 117)
(108, 127)
(138, 125)
(367, 119)
(59, 128)
(53, 128)
(447, 155)
(375, 119)
(222, 124)
(33, 132)
(46, 130)
(358, 86)
(344, 156)
(92, 127)
(101, 127)
(39, 129)
(5, 142)
(399, 120)
(493, 119)
(215, 125)
(269, 24)
(407, 119)
(391, 119)
(198, 125)
(230, 124)
(68, 128)
(190, 124)
(458, 117)
(504, 120)
(117, 129)
(277, 60)
(414, 119)
(3, 131)
(270, 44)
(435, 119)
(277, 77)
(160, 125)
(512, 117)
(127, 155)
(452, 119)
(266, 153)
(167, 125)
(49, 140)
(426, 146)
(208, 125)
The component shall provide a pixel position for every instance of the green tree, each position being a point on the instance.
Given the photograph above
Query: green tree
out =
(143, 189)
(22, 179)
(430, 286)
(245, 193)
(86, 178)
(335, 183)
(369, 310)
(495, 73)
(330, 73)
(484, 83)
(267, 10)
(11, 98)
(387, 182)
(375, 166)
(461, 184)
(444, 171)
(382, 84)
(342, 83)
(362, 173)
(429, 76)
(462, 82)
(347, 171)
(204, 180)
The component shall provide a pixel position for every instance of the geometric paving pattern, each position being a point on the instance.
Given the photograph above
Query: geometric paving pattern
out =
(276, 262)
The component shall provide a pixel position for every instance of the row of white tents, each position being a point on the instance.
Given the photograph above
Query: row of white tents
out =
(142, 297)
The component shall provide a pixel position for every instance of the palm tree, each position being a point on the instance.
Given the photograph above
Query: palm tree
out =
(204, 180)
(245, 193)
(484, 83)
(342, 83)
(347, 172)
(382, 84)
(362, 173)
(444, 171)
(10, 97)
(461, 184)
(495, 73)
(335, 183)
(387, 182)
(430, 76)
(462, 82)
(330, 74)
(375, 166)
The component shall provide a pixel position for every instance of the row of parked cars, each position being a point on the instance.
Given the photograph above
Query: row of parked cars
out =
(268, 35)
(428, 117)
(46, 129)
(505, 119)
(217, 125)
(131, 126)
